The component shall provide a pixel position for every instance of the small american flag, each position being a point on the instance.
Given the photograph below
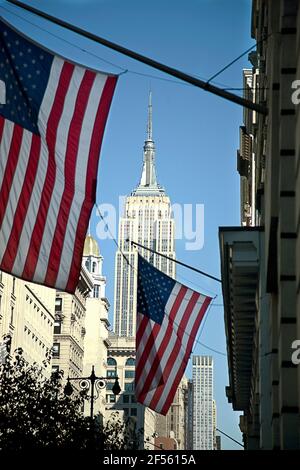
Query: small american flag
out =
(168, 317)
(52, 119)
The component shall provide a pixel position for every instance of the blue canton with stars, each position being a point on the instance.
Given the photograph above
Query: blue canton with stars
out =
(154, 289)
(24, 74)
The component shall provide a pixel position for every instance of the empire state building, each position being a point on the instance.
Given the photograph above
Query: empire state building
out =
(148, 221)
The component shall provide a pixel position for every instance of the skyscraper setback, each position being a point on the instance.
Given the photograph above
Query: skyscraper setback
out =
(148, 221)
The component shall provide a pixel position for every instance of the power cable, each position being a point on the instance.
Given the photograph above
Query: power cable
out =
(245, 103)
(124, 70)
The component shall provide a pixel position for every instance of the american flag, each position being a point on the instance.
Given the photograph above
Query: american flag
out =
(52, 119)
(168, 317)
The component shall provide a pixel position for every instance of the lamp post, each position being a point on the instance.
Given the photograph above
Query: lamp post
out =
(95, 383)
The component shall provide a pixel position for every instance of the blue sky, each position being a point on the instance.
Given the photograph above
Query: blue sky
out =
(196, 133)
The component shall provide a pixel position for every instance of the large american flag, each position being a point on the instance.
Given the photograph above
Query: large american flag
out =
(52, 119)
(168, 317)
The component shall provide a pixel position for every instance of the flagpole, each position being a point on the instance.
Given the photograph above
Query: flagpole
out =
(175, 261)
(146, 60)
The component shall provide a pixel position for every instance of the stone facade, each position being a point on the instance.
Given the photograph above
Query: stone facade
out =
(27, 316)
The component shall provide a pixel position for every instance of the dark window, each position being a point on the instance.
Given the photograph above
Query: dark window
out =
(126, 411)
(126, 398)
(94, 266)
(58, 304)
(14, 285)
(129, 387)
(54, 370)
(129, 374)
(133, 399)
(57, 327)
(111, 361)
(109, 385)
(12, 315)
(56, 349)
(130, 361)
(133, 412)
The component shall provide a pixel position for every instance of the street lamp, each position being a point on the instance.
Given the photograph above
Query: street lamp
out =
(93, 382)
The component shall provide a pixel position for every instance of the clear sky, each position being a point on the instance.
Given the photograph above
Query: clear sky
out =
(196, 133)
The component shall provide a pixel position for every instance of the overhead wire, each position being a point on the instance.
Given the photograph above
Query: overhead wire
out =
(126, 70)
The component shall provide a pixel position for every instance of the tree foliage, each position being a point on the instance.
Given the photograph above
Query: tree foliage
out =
(36, 414)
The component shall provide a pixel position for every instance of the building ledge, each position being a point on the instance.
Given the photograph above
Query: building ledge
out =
(240, 251)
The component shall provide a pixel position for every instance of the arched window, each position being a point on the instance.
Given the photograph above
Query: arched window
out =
(94, 266)
(87, 264)
(111, 361)
(130, 361)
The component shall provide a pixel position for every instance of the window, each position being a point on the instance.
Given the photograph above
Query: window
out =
(94, 267)
(109, 385)
(129, 387)
(54, 370)
(130, 361)
(133, 412)
(111, 361)
(111, 373)
(87, 264)
(57, 327)
(56, 349)
(126, 411)
(12, 316)
(110, 399)
(129, 374)
(126, 398)
(96, 292)
(58, 304)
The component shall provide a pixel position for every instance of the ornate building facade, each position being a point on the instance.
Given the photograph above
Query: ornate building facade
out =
(96, 340)
(27, 318)
(69, 328)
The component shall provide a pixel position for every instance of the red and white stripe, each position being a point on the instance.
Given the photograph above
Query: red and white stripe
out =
(48, 182)
(164, 350)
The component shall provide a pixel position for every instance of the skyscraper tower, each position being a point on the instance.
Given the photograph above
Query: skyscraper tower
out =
(148, 221)
(203, 408)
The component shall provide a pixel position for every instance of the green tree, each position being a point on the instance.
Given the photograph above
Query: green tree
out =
(36, 414)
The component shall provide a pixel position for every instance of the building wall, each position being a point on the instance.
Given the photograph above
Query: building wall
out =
(68, 342)
(96, 320)
(176, 416)
(27, 315)
(271, 418)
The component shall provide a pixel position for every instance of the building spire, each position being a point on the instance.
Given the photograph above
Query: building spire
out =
(149, 125)
(148, 183)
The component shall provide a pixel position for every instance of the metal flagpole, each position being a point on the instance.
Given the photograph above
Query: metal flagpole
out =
(146, 60)
(176, 261)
